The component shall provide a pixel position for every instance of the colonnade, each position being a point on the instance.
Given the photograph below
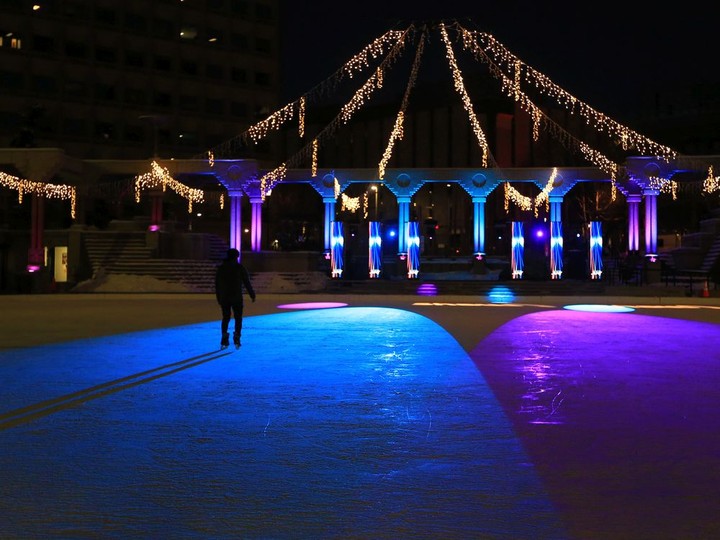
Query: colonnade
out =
(479, 189)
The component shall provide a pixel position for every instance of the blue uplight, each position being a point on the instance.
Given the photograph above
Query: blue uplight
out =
(501, 295)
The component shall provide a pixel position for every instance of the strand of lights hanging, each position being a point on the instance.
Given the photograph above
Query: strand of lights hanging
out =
(712, 182)
(526, 203)
(359, 99)
(160, 177)
(663, 185)
(601, 122)
(50, 191)
(467, 104)
(301, 117)
(211, 158)
(398, 132)
(544, 196)
(512, 89)
(314, 165)
(520, 200)
(353, 204)
(357, 63)
(270, 179)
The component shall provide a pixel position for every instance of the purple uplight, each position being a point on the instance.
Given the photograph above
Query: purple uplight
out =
(427, 289)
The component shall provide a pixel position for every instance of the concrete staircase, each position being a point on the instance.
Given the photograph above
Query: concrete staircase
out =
(126, 253)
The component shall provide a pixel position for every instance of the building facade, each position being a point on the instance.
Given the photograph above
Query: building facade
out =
(130, 80)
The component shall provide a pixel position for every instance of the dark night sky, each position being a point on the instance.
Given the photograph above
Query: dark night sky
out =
(614, 59)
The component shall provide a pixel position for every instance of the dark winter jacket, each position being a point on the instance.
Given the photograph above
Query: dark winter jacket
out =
(230, 277)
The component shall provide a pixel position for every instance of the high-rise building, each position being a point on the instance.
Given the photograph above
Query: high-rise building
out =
(135, 79)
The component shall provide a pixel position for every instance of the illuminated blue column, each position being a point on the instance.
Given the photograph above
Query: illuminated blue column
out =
(556, 237)
(256, 224)
(337, 242)
(374, 249)
(596, 245)
(403, 219)
(479, 226)
(556, 250)
(329, 218)
(518, 249)
(651, 251)
(633, 222)
(413, 249)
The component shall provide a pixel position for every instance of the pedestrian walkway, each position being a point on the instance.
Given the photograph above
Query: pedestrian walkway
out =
(359, 417)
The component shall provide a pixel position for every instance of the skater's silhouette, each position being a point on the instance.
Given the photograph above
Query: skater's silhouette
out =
(230, 278)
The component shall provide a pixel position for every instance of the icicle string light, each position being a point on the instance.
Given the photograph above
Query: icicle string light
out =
(601, 122)
(310, 149)
(50, 191)
(398, 131)
(467, 104)
(160, 177)
(314, 158)
(712, 182)
(274, 121)
(278, 118)
(559, 133)
(664, 185)
(301, 118)
(526, 203)
(270, 179)
(375, 50)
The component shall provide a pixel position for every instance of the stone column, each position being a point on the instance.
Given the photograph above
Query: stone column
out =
(403, 220)
(651, 250)
(633, 222)
(329, 218)
(256, 224)
(479, 226)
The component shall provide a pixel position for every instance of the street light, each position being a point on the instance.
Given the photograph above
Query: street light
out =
(375, 189)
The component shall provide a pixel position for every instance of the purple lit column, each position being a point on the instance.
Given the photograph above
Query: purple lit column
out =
(651, 196)
(256, 225)
(403, 220)
(633, 222)
(235, 196)
(479, 226)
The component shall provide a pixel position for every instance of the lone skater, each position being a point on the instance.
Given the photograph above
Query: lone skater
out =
(230, 277)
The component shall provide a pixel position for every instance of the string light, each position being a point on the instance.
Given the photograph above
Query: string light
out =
(601, 122)
(711, 183)
(270, 179)
(526, 203)
(301, 118)
(160, 177)
(50, 191)
(467, 104)
(349, 203)
(222, 201)
(272, 122)
(211, 158)
(663, 185)
(314, 158)
(398, 131)
(278, 118)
